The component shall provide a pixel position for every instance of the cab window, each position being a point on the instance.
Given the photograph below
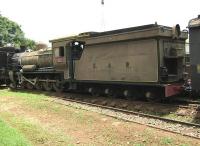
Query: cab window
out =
(59, 52)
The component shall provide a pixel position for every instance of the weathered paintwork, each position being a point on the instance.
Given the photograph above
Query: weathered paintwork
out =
(194, 40)
(129, 55)
(40, 58)
(132, 61)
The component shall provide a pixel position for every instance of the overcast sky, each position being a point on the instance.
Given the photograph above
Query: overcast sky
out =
(43, 20)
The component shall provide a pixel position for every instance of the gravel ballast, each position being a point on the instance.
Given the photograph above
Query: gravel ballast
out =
(191, 131)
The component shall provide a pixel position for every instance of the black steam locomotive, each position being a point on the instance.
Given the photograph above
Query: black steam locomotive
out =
(147, 59)
(6, 63)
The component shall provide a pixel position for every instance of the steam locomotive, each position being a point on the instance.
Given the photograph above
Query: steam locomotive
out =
(6, 54)
(145, 61)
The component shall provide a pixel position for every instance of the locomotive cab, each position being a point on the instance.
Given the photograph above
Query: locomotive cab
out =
(64, 56)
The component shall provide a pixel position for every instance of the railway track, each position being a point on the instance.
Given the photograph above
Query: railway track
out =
(184, 125)
(178, 103)
(132, 112)
(132, 104)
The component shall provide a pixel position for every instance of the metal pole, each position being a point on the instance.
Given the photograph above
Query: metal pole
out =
(102, 2)
(102, 19)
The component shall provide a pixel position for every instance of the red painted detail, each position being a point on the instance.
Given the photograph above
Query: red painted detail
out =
(59, 59)
(173, 89)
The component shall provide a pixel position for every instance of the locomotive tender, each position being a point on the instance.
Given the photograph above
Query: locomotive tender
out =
(145, 61)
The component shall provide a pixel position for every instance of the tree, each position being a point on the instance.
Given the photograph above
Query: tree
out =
(11, 33)
(41, 45)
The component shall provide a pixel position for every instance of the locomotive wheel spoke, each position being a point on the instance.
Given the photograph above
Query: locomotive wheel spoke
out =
(23, 85)
(47, 86)
(38, 86)
(57, 87)
(29, 86)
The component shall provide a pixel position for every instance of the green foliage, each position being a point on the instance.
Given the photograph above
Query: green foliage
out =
(11, 33)
(10, 137)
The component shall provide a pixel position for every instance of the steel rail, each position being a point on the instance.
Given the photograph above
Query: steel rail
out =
(134, 113)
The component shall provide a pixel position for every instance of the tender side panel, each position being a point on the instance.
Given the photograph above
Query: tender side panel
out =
(132, 61)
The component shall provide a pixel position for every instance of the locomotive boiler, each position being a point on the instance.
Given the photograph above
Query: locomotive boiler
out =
(31, 61)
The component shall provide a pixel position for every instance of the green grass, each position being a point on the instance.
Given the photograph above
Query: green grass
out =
(40, 102)
(21, 94)
(40, 133)
(35, 100)
(138, 144)
(167, 141)
(36, 134)
(11, 137)
(32, 129)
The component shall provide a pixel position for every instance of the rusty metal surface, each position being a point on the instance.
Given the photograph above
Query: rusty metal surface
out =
(41, 58)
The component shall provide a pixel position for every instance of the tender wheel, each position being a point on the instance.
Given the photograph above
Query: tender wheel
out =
(127, 93)
(110, 92)
(57, 86)
(47, 86)
(151, 96)
(94, 91)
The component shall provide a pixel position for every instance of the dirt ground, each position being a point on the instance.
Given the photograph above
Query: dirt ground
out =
(44, 122)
